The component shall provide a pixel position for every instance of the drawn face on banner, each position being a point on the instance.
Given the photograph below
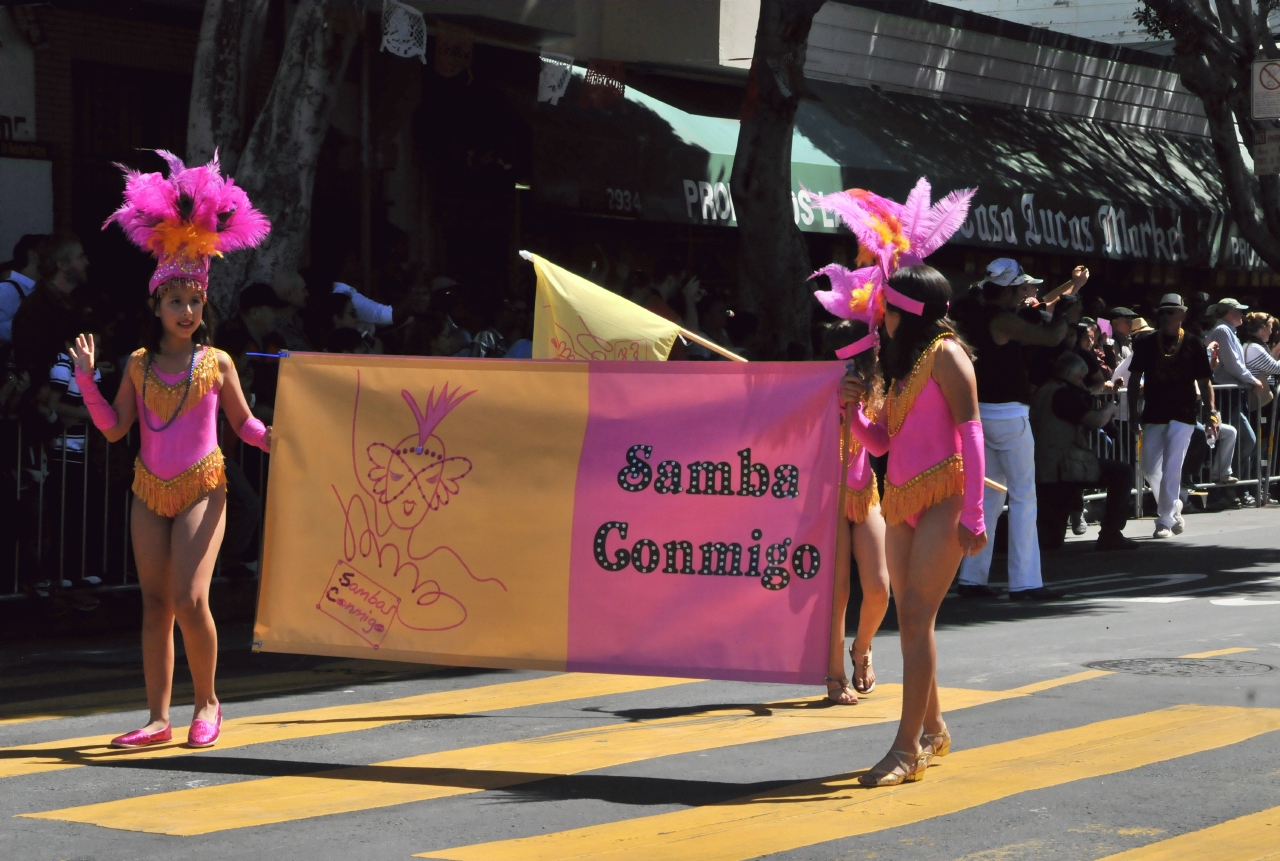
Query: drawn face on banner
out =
(417, 475)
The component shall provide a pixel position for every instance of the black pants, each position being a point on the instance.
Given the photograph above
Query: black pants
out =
(1055, 502)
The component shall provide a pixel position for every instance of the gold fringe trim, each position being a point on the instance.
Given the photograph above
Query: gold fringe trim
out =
(899, 401)
(163, 399)
(169, 498)
(938, 482)
(858, 503)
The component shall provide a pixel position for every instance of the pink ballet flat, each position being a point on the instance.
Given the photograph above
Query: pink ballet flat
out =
(205, 733)
(142, 738)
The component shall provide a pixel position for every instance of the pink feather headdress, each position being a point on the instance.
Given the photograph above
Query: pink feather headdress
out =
(185, 217)
(891, 235)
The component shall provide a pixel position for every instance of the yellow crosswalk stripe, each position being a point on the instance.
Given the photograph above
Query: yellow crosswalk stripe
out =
(101, 702)
(834, 808)
(494, 766)
(1216, 653)
(1249, 838)
(237, 732)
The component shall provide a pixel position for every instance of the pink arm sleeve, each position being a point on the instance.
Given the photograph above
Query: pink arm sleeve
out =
(103, 415)
(973, 455)
(874, 437)
(254, 432)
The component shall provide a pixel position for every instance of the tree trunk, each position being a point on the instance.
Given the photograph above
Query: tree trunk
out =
(230, 38)
(278, 165)
(773, 257)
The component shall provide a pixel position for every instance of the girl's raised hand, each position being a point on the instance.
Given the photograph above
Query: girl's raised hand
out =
(82, 353)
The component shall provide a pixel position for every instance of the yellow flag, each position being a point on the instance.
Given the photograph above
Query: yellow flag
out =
(575, 319)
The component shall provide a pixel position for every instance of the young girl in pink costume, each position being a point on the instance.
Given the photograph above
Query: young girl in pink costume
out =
(175, 385)
(862, 526)
(929, 426)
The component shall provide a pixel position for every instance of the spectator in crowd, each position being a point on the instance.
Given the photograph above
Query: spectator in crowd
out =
(1197, 319)
(515, 323)
(49, 319)
(291, 289)
(1122, 331)
(1061, 412)
(1233, 370)
(372, 313)
(259, 305)
(20, 280)
(1040, 357)
(1259, 356)
(997, 334)
(1168, 366)
(1087, 337)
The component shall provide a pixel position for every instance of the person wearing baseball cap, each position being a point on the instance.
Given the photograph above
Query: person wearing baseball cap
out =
(1168, 366)
(1122, 330)
(1233, 370)
(997, 334)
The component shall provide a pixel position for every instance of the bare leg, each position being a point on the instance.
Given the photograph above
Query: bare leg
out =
(922, 564)
(150, 534)
(873, 575)
(839, 691)
(196, 537)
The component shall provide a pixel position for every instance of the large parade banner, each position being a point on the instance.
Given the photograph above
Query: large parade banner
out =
(625, 517)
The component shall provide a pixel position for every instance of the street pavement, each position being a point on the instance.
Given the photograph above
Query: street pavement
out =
(1138, 720)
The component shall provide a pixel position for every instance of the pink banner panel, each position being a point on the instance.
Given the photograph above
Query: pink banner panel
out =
(704, 521)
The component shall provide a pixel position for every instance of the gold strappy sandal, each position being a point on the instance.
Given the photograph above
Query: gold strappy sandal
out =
(913, 768)
(844, 687)
(861, 663)
(936, 743)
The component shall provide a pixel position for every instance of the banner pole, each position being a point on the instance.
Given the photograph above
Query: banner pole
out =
(710, 345)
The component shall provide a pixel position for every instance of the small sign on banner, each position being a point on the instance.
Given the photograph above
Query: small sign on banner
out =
(1266, 153)
(1266, 90)
(604, 84)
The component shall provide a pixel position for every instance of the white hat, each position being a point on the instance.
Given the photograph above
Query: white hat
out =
(1172, 300)
(1006, 272)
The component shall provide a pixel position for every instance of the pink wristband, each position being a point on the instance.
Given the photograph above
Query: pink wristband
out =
(874, 437)
(973, 458)
(254, 432)
(103, 415)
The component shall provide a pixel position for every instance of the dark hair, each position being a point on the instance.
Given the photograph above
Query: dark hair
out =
(842, 333)
(667, 267)
(991, 291)
(153, 334)
(343, 340)
(334, 304)
(22, 251)
(636, 280)
(898, 354)
(54, 251)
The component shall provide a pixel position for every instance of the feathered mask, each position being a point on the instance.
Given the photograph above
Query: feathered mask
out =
(891, 235)
(185, 217)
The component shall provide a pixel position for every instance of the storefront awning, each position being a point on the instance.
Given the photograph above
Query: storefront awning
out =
(1046, 183)
(643, 158)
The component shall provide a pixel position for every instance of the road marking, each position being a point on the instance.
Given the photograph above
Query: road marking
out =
(1240, 602)
(238, 732)
(1149, 600)
(1219, 652)
(340, 672)
(1249, 838)
(496, 766)
(834, 808)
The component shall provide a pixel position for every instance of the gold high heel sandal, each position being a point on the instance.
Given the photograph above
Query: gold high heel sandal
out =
(936, 743)
(864, 664)
(913, 768)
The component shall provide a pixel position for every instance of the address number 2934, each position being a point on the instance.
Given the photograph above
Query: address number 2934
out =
(623, 200)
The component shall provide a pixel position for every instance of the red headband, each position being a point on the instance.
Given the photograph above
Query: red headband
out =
(906, 303)
(866, 342)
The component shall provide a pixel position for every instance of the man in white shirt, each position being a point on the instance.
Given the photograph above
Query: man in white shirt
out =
(373, 313)
(20, 283)
(1232, 370)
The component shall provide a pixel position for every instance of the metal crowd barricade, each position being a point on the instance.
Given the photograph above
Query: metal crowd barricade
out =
(71, 509)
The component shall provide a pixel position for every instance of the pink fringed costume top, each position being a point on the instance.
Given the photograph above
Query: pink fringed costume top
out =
(861, 494)
(180, 460)
(925, 465)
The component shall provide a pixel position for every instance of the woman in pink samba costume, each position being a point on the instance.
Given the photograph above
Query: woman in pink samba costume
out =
(174, 385)
(929, 426)
(862, 526)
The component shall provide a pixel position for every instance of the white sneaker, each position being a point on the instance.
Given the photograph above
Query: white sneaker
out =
(1162, 531)
(1179, 523)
